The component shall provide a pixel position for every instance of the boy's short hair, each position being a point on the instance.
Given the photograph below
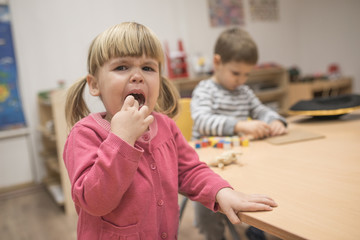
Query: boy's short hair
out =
(235, 44)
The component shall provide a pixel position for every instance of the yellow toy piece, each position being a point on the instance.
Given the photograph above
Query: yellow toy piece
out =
(245, 142)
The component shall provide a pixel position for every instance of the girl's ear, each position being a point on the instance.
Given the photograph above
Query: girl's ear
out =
(93, 85)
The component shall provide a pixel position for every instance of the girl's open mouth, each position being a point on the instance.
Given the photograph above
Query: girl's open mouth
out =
(139, 97)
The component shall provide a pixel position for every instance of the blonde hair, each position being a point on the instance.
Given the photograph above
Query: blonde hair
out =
(235, 44)
(124, 39)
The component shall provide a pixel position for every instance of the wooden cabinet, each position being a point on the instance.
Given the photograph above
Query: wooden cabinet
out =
(187, 85)
(269, 84)
(53, 129)
(319, 88)
(49, 150)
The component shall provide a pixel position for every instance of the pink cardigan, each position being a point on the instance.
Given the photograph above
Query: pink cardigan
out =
(126, 192)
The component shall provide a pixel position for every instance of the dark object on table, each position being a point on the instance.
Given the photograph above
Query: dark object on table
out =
(329, 107)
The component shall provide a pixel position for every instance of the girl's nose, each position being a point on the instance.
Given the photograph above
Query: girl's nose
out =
(137, 77)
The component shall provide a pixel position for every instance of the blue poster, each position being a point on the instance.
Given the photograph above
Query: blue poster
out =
(11, 111)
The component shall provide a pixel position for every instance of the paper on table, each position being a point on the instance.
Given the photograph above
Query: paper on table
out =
(294, 135)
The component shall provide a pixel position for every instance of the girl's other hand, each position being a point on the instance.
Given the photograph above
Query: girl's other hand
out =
(131, 122)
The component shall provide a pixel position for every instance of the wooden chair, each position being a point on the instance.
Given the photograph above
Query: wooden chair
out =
(183, 120)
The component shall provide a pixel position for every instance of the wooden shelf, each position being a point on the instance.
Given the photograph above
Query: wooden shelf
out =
(50, 156)
(52, 163)
(52, 184)
(271, 86)
(263, 74)
(56, 176)
(61, 129)
(56, 192)
(187, 85)
(341, 84)
(271, 95)
(319, 88)
(46, 133)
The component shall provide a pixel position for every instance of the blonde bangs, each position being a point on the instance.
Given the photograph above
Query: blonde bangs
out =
(123, 40)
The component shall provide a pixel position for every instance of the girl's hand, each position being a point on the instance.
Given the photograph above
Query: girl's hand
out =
(131, 122)
(277, 128)
(232, 202)
(255, 129)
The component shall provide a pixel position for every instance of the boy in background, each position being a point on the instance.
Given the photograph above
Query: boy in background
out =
(222, 105)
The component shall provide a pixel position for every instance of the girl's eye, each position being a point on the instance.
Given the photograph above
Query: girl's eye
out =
(121, 68)
(148, 69)
(235, 73)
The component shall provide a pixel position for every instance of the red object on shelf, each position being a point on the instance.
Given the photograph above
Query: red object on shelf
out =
(333, 68)
(176, 61)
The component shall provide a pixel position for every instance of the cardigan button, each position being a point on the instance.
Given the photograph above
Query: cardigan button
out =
(164, 235)
(160, 202)
(153, 166)
(146, 137)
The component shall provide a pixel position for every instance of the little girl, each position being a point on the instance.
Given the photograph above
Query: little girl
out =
(128, 164)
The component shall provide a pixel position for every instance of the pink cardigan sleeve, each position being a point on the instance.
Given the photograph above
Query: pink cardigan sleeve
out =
(90, 161)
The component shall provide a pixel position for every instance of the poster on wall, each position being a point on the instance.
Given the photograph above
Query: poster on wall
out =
(226, 12)
(11, 110)
(264, 10)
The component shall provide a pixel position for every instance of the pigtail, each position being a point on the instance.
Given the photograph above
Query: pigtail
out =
(75, 106)
(168, 101)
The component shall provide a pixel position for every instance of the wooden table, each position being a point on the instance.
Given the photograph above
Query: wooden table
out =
(316, 183)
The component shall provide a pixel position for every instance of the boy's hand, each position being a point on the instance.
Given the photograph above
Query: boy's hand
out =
(232, 202)
(277, 127)
(255, 128)
(131, 122)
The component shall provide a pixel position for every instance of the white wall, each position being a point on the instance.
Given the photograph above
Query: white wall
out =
(276, 40)
(330, 32)
(52, 36)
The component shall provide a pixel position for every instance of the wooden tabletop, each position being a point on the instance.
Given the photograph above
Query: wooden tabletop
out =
(315, 182)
